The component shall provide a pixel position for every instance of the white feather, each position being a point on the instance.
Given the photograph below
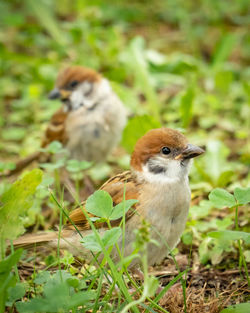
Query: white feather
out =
(174, 170)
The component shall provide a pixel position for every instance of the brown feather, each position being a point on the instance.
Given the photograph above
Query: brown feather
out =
(40, 238)
(78, 73)
(56, 128)
(115, 187)
(152, 142)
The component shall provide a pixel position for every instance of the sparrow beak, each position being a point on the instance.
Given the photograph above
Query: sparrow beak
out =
(190, 152)
(54, 94)
(61, 94)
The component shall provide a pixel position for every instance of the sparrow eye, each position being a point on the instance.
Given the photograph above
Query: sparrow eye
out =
(73, 84)
(165, 150)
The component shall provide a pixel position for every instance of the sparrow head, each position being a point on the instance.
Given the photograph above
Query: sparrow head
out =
(163, 153)
(74, 85)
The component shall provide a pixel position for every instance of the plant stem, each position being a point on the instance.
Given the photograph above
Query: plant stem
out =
(242, 258)
(113, 269)
(144, 295)
(58, 244)
(183, 281)
(15, 266)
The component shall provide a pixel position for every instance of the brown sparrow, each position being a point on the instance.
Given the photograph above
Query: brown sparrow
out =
(91, 120)
(158, 179)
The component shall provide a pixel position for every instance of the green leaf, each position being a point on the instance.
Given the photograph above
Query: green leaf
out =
(225, 178)
(14, 133)
(99, 171)
(128, 97)
(221, 198)
(91, 243)
(54, 147)
(227, 235)
(204, 251)
(247, 255)
(53, 166)
(73, 282)
(7, 264)
(15, 202)
(16, 292)
(153, 284)
(100, 204)
(135, 58)
(128, 259)
(57, 286)
(136, 128)
(7, 279)
(121, 207)
(242, 195)
(216, 254)
(67, 258)
(109, 238)
(223, 49)
(187, 238)
(65, 300)
(214, 163)
(7, 166)
(237, 308)
(42, 277)
(203, 209)
(223, 80)
(44, 14)
(186, 105)
(223, 224)
(77, 166)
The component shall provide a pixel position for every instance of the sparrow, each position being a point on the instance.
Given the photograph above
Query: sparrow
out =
(91, 120)
(158, 179)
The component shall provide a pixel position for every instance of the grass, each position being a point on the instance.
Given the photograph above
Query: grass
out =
(178, 64)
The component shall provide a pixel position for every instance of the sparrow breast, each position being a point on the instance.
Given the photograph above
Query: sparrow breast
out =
(165, 207)
(95, 128)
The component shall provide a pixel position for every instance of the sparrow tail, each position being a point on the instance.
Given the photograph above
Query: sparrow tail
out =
(45, 238)
(30, 240)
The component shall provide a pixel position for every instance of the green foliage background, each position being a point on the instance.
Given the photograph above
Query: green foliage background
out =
(176, 63)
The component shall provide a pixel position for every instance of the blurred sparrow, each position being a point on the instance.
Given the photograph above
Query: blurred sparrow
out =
(91, 120)
(158, 179)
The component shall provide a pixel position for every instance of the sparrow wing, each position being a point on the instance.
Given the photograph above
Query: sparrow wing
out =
(56, 128)
(115, 186)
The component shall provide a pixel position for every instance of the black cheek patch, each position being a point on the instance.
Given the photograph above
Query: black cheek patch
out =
(156, 169)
